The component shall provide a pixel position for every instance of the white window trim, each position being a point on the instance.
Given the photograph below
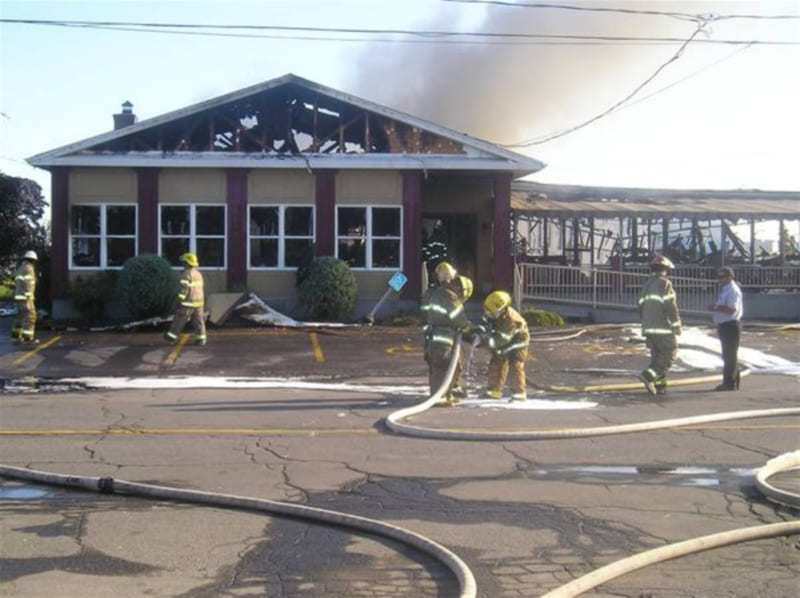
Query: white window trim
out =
(193, 236)
(102, 235)
(369, 238)
(281, 236)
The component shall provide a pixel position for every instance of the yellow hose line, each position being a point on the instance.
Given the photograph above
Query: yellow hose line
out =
(635, 385)
(466, 580)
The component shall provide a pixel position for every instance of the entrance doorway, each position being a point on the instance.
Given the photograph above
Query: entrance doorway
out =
(459, 232)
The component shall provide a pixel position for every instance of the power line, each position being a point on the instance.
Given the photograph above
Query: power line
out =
(705, 18)
(615, 106)
(435, 36)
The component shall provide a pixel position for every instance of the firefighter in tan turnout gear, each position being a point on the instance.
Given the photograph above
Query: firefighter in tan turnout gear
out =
(508, 340)
(443, 307)
(661, 324)
(24, 329)
(191, 301)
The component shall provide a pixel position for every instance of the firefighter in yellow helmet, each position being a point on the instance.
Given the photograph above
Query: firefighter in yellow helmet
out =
(661, 324)
(191, 300)
(24, 328)
(443, 307)
(508, 339)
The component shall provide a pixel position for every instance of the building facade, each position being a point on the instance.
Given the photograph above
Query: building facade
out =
(254, 180)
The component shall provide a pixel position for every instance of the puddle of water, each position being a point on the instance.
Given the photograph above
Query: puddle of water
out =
(700, 482)
(22, 492)
(31, 385)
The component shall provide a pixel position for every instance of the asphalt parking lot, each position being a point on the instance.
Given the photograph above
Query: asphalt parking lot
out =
(298, 416)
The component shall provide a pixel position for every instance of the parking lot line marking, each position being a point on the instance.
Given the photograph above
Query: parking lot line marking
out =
(197, 431)
(30, 354)
(173, 356)
(318, 355)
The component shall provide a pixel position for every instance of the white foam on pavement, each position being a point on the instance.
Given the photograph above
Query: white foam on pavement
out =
(529, 405)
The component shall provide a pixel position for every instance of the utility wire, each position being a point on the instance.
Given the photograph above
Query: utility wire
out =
(696, 18)
(431, 36)
(617, 105)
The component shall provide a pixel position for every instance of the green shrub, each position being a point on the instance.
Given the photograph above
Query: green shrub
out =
(542, 319)
(147, 286)
(90, 294)
(328, 291)
(7, 288)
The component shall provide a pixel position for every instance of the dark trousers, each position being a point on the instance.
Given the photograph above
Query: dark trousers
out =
(729, 334)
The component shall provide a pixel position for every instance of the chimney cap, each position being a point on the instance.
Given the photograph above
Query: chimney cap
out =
(127, 106)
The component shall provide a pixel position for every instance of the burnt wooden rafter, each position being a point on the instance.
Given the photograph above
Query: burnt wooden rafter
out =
(286, 119)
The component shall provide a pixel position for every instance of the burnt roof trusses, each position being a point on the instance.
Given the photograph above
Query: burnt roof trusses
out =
(288, 122)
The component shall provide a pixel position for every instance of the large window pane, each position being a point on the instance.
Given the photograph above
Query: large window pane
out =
(118, 251)
(297, 250)
(86, 252)
(175, 220)
(173, 249)
(211, 253)
(385, 222)
(264, 253)
(353, 251)
(264, 221)
(120, 220)
(85, 220)
(386, 254)
(210, 220)
(352, 222)
(299, 222)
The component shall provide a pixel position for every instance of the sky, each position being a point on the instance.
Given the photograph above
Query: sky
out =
(716, 117)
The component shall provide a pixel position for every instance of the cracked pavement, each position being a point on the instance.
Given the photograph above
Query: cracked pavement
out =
(525, 516)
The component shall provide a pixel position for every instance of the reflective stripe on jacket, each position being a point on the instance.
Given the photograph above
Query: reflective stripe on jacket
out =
(658, 306)
(445, 315)
(191, 288)
(25, 289)
(508, 333)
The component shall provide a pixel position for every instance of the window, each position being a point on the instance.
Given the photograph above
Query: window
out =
(369, 237)
(196, 228)
(102, 235)
(280, 236)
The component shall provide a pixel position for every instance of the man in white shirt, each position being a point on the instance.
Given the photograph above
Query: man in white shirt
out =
(727, 315)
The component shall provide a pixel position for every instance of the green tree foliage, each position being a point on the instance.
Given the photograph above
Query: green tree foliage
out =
(542, 319)
(147, 286)
(21, 209)
(328, 291)
(89, 295)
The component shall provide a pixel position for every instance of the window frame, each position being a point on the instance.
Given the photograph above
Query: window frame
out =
(281, 237)
(193, 236)
(370, 238)
(103, 235)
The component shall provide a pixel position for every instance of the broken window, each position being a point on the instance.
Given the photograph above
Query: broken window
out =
(369, 237)
(280, 236)
(102, 235)
(192, 228)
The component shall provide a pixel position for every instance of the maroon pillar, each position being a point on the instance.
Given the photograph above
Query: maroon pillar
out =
(412, 234)
(147, 208)
(236, 201)
(325, 202)
(501, 213)
(59, 225)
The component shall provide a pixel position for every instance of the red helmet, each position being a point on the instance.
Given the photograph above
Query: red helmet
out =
(660, 261)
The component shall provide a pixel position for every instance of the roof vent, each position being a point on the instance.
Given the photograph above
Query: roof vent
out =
(125, 118)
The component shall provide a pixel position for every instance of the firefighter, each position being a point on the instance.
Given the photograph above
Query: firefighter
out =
(508, 340)
(434, 250)
(191, 298)
(444, 308)
(24, 329)
(661, 325)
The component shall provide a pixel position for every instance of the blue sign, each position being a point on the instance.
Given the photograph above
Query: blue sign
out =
(398, 281)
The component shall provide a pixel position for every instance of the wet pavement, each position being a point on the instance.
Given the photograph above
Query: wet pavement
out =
(298, 418)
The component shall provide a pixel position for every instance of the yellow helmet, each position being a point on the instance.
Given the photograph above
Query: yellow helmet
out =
(466, 287)
(190, 259)
(495, 303)
(445, 273)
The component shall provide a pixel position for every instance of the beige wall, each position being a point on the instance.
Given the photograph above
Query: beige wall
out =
(272, 284)
(283, 186)
(102, 185)
(369, 188)
(198, 185)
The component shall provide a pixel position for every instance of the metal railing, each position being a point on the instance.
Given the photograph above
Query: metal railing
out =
(748, 276)
(597, 287)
